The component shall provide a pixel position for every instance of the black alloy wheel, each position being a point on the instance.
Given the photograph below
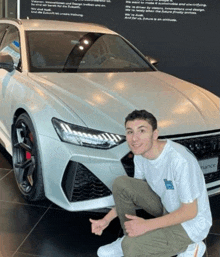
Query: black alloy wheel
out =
(26, 159)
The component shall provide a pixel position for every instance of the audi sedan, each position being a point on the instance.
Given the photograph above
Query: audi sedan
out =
(65, 89)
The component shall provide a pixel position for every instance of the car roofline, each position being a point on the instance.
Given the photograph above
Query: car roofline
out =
(30, 24)
(12, 19)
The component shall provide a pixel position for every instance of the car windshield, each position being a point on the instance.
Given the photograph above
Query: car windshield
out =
(67, 51)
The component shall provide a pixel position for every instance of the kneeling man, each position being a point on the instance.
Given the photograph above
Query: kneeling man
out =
(169, 184)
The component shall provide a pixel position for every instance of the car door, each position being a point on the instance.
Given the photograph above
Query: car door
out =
(10, 44)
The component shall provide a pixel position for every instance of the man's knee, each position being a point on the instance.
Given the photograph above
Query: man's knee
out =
(120, 183)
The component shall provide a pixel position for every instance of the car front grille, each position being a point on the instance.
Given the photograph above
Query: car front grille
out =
(203, 147)
(80, 184)
(212, 177)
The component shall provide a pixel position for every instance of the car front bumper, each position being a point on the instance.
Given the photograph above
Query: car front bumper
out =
(79, 178)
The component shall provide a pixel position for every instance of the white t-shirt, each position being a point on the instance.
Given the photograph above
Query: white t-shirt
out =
(176, 177)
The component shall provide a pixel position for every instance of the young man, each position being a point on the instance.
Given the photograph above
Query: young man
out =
(168, 184)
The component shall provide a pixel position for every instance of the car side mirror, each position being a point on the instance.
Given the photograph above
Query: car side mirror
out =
(152, 60)
(6, 62)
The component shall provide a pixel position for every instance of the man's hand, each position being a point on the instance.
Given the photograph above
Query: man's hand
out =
(137, 226)
(98, 226)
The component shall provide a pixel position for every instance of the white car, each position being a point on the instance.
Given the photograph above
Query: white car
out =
(65, 89)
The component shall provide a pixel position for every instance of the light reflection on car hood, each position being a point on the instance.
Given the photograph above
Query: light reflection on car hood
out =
(102, 100)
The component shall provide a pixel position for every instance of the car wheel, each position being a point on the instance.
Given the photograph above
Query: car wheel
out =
(26, 159)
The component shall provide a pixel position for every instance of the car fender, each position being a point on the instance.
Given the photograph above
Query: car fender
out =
(26, 95)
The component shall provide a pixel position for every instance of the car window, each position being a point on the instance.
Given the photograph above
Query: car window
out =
(2, 31)
(110, 51)
(68, 51)
(11, 45)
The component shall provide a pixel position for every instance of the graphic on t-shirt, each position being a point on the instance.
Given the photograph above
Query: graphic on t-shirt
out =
(169, 184)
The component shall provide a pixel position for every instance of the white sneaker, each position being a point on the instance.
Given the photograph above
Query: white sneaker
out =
(111, 250)
(194, 250)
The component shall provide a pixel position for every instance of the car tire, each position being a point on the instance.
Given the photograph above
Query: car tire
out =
(26, 159)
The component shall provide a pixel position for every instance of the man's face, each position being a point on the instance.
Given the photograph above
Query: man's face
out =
(140, 137)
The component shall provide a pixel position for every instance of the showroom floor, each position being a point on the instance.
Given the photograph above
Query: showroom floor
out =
(43, 229)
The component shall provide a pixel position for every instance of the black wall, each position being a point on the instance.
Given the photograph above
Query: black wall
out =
(183, 34)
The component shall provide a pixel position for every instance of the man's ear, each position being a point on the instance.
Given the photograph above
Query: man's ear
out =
(155, 134)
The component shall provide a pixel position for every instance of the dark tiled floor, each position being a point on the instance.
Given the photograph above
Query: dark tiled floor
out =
(42, 229)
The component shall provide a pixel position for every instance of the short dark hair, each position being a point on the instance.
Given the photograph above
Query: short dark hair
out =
(142, 115)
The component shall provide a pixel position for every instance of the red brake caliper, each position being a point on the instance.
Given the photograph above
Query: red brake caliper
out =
(28, 157)
(28, 154)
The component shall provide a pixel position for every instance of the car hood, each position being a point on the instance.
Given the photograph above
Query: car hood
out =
(103, 100)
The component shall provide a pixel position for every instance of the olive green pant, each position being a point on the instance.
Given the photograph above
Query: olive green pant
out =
(130, 193)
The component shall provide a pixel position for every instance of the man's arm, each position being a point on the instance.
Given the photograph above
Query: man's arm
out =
(111, 215)
(138, 226)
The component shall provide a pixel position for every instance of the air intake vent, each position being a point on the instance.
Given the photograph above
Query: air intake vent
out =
(80, 184)
(128, 164)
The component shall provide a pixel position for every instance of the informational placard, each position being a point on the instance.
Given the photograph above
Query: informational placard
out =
(161, 10)
(142, 10)
(183, 34)
(67, 9)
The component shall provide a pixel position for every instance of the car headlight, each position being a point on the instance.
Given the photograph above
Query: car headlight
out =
(87, 137)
